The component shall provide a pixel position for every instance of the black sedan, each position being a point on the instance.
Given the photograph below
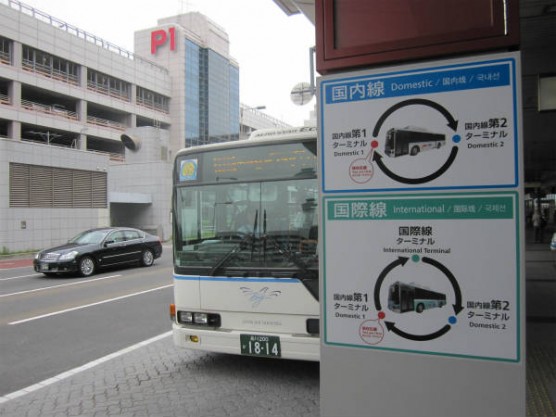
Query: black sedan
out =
(99, 248)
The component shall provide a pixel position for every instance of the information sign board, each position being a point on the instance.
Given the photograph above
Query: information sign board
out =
(436, 274)
(434, 126)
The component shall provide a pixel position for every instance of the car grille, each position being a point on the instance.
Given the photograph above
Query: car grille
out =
(49, 257)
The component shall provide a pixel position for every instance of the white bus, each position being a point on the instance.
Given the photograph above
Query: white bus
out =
(245, 246)
(411, 141)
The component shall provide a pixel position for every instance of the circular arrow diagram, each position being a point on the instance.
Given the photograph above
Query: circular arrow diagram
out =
(392, 327)
(400, 261)
(457, 306)
(452, 123)
(378, 159)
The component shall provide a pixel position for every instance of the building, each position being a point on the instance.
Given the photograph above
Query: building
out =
(88, 130)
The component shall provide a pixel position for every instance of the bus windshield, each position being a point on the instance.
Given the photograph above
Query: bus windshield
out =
(259, 219)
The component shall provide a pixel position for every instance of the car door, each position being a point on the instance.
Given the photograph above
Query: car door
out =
(116, 250)
(135, 244)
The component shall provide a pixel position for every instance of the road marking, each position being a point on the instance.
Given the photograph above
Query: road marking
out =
(67, 310)
(85, 367)
(59, 286)
(21, 276)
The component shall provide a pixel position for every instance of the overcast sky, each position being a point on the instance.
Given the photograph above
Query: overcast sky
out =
(271, 48)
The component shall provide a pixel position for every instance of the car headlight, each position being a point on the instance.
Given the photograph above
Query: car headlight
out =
(70, 256)
(37, 255)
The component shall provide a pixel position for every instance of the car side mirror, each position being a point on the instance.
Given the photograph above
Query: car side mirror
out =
(108, 242)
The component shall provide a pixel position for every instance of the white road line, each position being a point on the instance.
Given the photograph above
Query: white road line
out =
(21, 276)
(67, 310)
(59, 286)
(85, 367)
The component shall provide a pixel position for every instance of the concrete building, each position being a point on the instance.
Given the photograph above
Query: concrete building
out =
(88, 130)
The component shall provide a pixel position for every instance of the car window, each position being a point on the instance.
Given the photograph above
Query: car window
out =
(132, 234)
(89, 237)
(118, 236)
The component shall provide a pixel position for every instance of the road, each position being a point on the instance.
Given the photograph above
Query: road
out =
(51, 325)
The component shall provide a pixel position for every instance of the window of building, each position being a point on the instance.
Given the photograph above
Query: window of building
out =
(50, 65)
(108, 85)
(152, 100)
(36, 186)
(5, 50)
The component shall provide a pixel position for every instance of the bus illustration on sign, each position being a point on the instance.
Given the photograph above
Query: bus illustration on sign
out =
(408, 297)
(411, 140)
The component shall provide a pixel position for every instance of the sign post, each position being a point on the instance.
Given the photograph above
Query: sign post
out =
(422, 263)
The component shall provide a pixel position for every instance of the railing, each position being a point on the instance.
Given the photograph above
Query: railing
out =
(106, 123)
(61, 25)
(108, 91)
(48, 109)
(49, 72)
(153, 106)
(5, 58)
(4, 99)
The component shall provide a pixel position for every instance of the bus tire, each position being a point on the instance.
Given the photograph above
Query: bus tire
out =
(414, 151)
(420, 308)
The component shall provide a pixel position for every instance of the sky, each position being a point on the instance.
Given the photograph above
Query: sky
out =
(271, 48)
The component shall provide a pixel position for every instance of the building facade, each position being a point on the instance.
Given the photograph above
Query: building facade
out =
(88, 130)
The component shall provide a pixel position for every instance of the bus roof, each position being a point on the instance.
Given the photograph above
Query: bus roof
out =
(261, 135)
(284, 133)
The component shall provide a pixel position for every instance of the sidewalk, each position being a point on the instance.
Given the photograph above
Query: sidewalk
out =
(540, 267)
(158, 379)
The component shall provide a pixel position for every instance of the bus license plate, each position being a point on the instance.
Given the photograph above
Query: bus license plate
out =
(258, 345)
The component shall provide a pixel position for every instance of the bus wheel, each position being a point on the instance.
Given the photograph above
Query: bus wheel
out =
(414, 150)
(420, 308)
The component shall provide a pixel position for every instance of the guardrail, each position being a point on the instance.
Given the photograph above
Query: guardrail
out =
(49, 72)
(106, 123)
(80, 33)
(4, 99)
(49, 109)
(152, 106)
(108, 91)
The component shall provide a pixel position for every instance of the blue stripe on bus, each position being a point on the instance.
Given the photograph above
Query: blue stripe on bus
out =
(238, 279)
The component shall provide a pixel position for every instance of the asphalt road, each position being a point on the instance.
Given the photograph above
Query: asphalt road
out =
(51, 325)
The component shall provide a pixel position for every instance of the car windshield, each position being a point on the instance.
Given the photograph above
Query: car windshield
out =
(90, 237)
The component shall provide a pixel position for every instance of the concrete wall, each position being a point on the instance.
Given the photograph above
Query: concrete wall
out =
(24, 229)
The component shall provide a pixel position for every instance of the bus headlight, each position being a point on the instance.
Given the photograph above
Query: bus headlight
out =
(185, 317)
(199, 319)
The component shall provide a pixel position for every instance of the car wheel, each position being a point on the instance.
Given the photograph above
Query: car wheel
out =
(87, 266)
(147, 257)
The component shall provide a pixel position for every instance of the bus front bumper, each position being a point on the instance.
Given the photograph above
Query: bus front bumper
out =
(229, 341)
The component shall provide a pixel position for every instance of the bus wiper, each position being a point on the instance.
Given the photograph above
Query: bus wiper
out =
(310, 277)
(239, 247)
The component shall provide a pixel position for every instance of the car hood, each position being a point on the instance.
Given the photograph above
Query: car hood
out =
(68, 247)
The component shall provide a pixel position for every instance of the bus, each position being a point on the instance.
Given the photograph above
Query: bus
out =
(408, 297)
(245, 239)
(411, 140)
